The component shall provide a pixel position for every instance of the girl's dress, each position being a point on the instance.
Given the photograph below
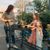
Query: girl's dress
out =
(39, 36)
(32, 38)
(36, 36)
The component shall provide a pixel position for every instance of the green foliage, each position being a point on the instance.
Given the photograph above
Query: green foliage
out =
(43, 11)
(37, 5)
(41, 6)
(26, 17)
(45, 17)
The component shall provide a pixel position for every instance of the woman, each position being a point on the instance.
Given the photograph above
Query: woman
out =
(37, 34)
(10, 17)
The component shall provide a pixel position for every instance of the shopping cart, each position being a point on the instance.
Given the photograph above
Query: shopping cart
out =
(24, 34)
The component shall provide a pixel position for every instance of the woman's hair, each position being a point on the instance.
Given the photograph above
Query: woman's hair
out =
(37, 15)
(9, 9)
(40, 25)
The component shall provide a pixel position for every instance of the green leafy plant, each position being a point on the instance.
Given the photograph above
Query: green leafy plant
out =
(25, 17)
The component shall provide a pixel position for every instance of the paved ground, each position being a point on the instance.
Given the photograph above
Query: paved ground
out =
(2, 38)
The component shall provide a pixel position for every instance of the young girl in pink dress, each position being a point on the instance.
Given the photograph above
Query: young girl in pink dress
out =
(37, 34)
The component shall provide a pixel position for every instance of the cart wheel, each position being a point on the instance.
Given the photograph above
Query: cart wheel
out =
(9, 48)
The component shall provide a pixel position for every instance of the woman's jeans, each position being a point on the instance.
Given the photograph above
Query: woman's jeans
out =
(9, 35)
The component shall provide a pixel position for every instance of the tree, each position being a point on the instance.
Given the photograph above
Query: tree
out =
(26, 18)
(40, 6)
(45, 17)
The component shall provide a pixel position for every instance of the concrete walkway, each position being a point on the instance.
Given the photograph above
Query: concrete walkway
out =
(2, 38)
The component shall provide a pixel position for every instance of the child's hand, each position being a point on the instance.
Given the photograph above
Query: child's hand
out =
(33, 28)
